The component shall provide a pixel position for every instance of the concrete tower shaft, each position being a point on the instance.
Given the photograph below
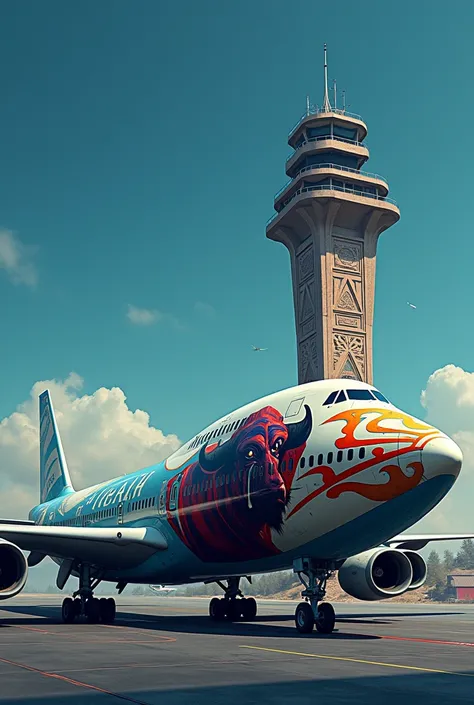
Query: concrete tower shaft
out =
(329, 216)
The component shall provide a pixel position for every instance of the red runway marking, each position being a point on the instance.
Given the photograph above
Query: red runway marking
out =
(425, 641)
(80, 684)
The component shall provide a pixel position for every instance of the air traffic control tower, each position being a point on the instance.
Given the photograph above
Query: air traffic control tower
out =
(329, 215)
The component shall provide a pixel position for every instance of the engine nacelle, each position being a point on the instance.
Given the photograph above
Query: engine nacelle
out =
(377, 574)
(419, 567)
(13, 570)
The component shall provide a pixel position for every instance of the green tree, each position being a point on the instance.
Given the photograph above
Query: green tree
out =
(465, 555)
(436, 572)
(449, 561)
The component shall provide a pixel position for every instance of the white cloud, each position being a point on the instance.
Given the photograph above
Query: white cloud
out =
(449, 403)
(102, 439)
(15, 259)
(204, 309)
(143, 316)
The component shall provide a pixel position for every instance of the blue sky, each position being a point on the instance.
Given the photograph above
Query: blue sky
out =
(141, 147)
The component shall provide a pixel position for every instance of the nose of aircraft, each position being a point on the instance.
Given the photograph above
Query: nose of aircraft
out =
(442, 456)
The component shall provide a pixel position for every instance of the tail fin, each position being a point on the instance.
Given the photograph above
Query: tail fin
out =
(54, 473)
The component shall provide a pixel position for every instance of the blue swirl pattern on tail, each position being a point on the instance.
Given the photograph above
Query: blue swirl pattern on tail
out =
(54, 473)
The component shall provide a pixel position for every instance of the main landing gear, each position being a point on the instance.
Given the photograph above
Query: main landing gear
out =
(233, 606)
(84, 604)
(313, 611)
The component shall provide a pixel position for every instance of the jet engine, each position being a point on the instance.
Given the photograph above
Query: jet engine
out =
(381, 573)
(419, 567)
(13, 570)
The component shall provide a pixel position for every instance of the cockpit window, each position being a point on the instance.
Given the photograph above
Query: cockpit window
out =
(330, 399)
(379, 396)
(340, 397)
(360, 394)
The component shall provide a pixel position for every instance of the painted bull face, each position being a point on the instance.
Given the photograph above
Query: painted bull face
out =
(254, 455)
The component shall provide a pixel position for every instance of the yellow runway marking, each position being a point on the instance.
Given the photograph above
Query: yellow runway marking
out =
(358, 660)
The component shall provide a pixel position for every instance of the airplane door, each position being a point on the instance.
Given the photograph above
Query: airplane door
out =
(120, 513)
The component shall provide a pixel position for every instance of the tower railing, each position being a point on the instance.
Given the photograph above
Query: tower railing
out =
(315, 110)
(327, 187)
(329, 165)
(321, 138)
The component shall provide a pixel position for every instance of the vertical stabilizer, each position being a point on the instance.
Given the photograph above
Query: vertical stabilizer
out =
(54, 473)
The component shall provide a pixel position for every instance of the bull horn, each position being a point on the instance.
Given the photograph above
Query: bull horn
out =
(210, 462)
(298, 433)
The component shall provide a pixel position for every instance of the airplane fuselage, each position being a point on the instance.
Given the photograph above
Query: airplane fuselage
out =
(326, 469)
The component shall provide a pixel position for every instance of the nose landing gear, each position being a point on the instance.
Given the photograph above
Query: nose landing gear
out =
(85, 604)
(313, 612)
(233, 606)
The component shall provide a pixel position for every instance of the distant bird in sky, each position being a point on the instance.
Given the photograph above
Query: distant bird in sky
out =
(411, 305)
(258, 349)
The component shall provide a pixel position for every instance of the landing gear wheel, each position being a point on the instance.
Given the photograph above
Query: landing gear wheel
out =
(248, 608)
(304, 618)
(233, 610)
(326, 618)
(68, 611)
(92, 610)
(216, 609)
(107, 610)
(78, 606)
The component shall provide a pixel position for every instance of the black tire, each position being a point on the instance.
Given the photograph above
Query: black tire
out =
(68, 611)
(216, 611)
(326, 618)
(78, 606)
(304, 618)
(107, 610)
(232, 610)
(249, 608)
(93, 610)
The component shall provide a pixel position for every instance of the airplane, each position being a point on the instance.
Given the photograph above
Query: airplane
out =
(320, 477)
(162, 589)
(411, 305)
(258, 349)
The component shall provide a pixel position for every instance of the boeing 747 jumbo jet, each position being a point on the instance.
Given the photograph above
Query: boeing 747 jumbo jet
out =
(321, 477)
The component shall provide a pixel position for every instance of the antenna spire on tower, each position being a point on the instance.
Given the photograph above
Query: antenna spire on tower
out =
(326, 103)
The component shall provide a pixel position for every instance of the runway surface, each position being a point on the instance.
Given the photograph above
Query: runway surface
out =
(165, 650)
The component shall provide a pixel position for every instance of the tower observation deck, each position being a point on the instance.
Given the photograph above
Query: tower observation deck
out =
(329, 215)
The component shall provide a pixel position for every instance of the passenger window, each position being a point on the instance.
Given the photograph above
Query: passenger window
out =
(311, 461)
(330, 399)
(330, 456)
(350, 454)
(320, 459)
(302, 462)
(361, 452)
(339, 456)
(340, 397)
(290, 464)
(283, 466)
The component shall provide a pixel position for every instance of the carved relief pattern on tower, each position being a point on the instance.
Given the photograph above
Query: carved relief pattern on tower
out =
(305, 264)
(352, 348)
(308, 360)
(347, 321)
(347, 293)
(347, 255)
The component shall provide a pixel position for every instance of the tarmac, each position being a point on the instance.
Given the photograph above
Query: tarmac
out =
(166, 651)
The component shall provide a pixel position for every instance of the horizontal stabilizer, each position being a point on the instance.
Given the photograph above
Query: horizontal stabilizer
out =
(108, 547)
(417, 541)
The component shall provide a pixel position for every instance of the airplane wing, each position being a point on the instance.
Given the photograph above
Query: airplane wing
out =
(417, 541)
(107, 547)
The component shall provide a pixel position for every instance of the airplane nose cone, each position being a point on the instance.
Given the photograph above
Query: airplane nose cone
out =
(442, 456)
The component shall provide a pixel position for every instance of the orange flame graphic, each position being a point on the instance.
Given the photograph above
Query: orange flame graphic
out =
(413, 435)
